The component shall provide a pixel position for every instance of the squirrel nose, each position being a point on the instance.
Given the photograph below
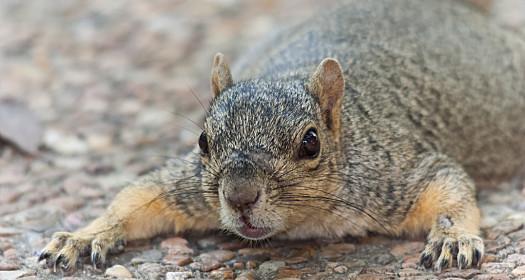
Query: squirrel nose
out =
(243, 200)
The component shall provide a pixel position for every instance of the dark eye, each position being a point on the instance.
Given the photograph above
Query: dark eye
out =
(310, 145)
(203, 143)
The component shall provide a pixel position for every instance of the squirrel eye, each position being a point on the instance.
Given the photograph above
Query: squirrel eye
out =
(310, 145)
(203, 143)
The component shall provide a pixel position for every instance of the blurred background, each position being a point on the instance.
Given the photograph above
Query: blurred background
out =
(94, 93)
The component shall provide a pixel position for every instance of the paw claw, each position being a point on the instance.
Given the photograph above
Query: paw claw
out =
(426, 260)
(43, 255)
(63, 251)
(462, 262)
(443, 251)
(96, 260)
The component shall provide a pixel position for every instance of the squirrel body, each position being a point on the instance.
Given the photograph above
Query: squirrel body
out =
(378, 116)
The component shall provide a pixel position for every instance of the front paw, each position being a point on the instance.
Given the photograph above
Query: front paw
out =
(447, 250)
(65, 248)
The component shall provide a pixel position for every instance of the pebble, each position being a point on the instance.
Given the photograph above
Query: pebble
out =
(214, 259)
(288, 272)
(8, 231)
(118, 271)
(179, 275)
(9, 266)
(519, 271)
(223, 273)
(65, 144)
(238, 265)
(14, 274)
(150, 270)
(267, 270)
(251, 265)
(516, 259)
(493, 267)
(499, 276)
(247, 275)
(177, 245)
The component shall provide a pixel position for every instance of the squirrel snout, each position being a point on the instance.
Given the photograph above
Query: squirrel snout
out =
(242, 200)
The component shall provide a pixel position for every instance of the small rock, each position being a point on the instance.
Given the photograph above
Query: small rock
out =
(267, 270)
(214, 259)
(410, 272)
(65, 144)
(8, 231)
(516, 259)
(519, 271)
(14, 274)
(499, 276)
(493, 267)
(251, 265)
(247, 275)
(20, 126)
(223, 273)
(238, 265)
(336, 250)
(118, 271)
(288, 272)
(177, 245)
(179, 275)
(9, 266)
(150, 270)
(10, 254)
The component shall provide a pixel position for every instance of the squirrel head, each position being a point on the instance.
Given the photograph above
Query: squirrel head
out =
(272, 147)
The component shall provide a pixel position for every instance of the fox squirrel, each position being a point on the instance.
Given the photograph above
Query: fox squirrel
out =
(379, 116)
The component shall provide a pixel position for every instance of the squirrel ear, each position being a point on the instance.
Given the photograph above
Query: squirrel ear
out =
(328, 85)
(221, 78)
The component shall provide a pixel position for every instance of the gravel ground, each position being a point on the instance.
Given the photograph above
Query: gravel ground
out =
(111, 84)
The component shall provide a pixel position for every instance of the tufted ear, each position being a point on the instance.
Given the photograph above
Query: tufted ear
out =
(221, 78)
(328, 85)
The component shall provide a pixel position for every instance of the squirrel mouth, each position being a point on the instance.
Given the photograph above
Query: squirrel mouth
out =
(250, 231)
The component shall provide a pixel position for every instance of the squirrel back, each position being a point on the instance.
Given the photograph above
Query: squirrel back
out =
(420, 76)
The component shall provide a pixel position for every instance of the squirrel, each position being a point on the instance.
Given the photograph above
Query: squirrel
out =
(378, 116)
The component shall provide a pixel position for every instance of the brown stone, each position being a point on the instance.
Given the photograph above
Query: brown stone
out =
(177, 245)
(238, 265)
(248, 275)
(288, 272)
(251, 265)
(214, 259)
(223, 273)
